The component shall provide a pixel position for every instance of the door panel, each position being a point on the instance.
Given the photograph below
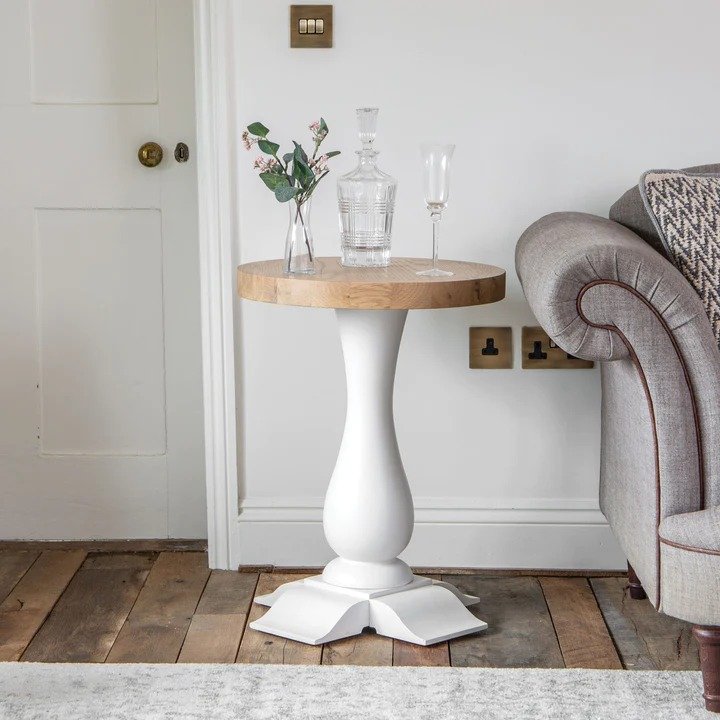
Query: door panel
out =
(14, 65)
(90, 52)
(88, 156)
(75, 497)
(18, 354)
(101, 391)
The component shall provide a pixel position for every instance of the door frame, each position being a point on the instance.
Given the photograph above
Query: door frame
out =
(217, 154)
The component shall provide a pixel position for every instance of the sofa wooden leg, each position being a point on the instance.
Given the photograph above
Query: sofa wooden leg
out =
(708, 639)
(636, 588)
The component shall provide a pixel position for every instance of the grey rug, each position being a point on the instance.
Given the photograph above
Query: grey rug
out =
(31, 691)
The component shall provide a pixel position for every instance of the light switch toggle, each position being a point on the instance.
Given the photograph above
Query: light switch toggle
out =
(311, 26)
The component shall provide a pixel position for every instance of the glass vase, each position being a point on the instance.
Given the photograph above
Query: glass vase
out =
(299, 252)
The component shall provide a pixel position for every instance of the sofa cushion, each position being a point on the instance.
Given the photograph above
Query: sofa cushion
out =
(631, 212)
(685, 208)
(690, 566)
(698, 531)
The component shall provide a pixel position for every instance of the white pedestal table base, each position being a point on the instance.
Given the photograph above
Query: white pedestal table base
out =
(368, 518)
(423, 612)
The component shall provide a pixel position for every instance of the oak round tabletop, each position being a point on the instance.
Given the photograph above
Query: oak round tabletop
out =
(396, 287)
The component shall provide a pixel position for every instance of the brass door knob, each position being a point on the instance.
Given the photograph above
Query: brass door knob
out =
(150, 154)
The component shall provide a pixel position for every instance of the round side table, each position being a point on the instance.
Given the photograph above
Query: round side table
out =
(368, 515)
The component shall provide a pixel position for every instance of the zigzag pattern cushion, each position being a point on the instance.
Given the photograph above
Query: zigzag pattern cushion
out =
(685, 209)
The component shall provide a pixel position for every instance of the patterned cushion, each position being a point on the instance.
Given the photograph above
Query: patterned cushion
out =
(629, 210)
(685, 209)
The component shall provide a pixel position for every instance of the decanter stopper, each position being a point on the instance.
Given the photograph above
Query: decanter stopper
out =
(367, 124)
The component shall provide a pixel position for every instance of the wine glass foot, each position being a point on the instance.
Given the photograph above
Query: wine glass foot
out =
(434, 272)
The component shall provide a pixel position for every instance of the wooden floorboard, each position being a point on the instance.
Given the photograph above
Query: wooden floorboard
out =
(138, 605)
(365, 649)
(257, 647)
(13, 565)
(645, 639)
(87, 618)
(579, 625)
(156, 626)
(520, 632)
(219, 621)
(25, 608)
(409, 654)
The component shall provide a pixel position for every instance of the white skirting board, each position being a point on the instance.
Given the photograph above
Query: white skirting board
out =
(550, 534)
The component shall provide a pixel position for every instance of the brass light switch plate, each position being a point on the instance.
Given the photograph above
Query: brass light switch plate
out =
(539, 352)
(491, 348)
(311, 26)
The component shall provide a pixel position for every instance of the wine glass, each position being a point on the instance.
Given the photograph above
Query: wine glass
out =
(436, 162)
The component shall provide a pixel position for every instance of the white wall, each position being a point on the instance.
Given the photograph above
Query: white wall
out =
(554, 105)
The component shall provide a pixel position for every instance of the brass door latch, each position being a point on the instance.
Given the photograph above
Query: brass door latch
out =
(150, 154)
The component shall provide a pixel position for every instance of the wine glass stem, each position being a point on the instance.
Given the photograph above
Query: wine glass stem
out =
(435, 217)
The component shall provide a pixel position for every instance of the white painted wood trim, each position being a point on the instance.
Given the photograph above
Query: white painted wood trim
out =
(217, 213)
(436, 509)
(558, 533)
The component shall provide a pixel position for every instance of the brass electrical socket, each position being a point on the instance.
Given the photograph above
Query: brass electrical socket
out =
(539, 352)
(491, 348)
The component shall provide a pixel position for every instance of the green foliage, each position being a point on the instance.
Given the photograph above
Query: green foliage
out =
(301, 170)
(300, 153)
(295, 176)
(257, 128)
(285, 193)
(268, 147)
(274, 180)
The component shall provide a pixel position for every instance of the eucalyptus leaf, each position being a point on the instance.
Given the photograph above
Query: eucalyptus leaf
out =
(302, 173)
(300, 153)
(268, 147)
(323, 126)
(287, 157)
(285, 193)
(257, 128)
(332, 153)
(274, 180)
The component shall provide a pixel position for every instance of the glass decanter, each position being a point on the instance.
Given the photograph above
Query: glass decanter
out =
(366, 198)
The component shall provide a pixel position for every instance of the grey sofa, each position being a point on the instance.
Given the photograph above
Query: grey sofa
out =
(605, 292)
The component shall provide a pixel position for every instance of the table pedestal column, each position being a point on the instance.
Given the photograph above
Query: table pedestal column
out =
(368, 518)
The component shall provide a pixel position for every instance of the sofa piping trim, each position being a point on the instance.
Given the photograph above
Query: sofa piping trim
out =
(689, 548)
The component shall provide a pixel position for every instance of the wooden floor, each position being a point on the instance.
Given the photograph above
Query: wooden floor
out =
(79, 606)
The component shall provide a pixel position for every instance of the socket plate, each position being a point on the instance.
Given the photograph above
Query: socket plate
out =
(502, 337)
(311, 26)
(557, 358)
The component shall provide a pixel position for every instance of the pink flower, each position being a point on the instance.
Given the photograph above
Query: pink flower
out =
(248, 141)
(264, 165)
(319, 165)
(318, 131)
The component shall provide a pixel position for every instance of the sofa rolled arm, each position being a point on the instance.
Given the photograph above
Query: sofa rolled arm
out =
(590, 280)
(603, 294)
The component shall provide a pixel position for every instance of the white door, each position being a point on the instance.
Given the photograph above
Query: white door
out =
(100, 381)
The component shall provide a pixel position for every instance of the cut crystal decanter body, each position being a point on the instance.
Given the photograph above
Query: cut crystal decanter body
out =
(366, 198)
